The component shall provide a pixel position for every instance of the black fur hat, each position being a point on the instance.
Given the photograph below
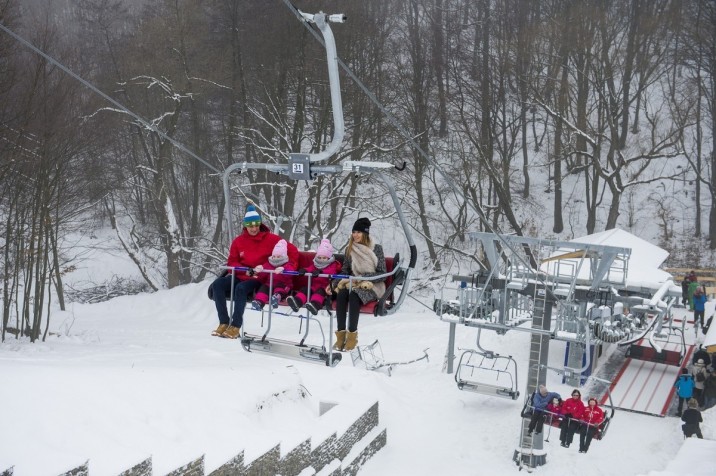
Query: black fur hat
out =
(362, 225)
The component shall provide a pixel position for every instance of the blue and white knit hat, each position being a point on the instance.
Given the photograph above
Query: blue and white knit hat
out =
(252, 216)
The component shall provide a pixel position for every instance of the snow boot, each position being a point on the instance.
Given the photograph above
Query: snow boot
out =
(294, 302)
(313, 307)
(231, 332)
(340, 340)
(257, 305)
(219, 330)
(275, 300)
(351, 340)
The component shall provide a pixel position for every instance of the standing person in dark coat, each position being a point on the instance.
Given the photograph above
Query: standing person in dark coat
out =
(363, 258)
(692, 418)
(710, 389)
(540, 400)
(684, 388)
(701, 354)
(700, 374)
(685, 290)
(572, 409)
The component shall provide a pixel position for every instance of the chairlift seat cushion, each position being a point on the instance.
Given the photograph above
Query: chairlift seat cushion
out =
(648, 353)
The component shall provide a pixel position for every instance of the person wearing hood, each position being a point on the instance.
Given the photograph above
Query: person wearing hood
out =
(684, 389)
(363, 259)
(250, 249)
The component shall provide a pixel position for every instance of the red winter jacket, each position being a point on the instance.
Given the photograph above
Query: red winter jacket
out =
(573, 407)
(556, 409)
(281, 282)
(321, 282)
(593, 415)
(251, 251)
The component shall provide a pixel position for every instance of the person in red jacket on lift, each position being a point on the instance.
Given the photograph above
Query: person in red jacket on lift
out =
(250, 249)
(592, 417)
(572, 410)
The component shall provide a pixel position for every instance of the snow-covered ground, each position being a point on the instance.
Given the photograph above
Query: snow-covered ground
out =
(140, 376)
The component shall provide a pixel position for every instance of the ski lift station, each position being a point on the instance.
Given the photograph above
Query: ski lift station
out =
(598, 294)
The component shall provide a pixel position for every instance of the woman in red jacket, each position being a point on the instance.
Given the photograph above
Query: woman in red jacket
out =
(572, 410)
(592, 417)
(250, 249)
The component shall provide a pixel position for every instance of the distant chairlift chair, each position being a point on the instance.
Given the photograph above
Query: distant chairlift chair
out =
(487, 373)
(654, 349)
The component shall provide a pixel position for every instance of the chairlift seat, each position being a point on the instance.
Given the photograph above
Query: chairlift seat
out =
(291, 350)
(602, 429)
(487, 389)
(649, 354)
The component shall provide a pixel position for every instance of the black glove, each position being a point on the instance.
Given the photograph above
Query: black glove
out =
(301, 271)
(315, 273)
(251, 272)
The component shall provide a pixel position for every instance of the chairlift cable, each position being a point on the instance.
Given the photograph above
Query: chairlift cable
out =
(116, 103)
(275, 211)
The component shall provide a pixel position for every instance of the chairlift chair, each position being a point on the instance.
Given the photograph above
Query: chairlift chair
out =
(654, 350)
(301, 167)
(556, 420)
(475, 367)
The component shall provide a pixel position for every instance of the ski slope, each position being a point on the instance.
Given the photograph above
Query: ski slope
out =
(139, 376)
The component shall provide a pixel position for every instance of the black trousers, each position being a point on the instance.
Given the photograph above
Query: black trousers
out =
(569, 428)
(691, 429)
(348, 303)
(699, 315)
(585, 436)
(536, 422)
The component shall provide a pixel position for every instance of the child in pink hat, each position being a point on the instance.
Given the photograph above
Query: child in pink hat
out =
(324, 263)
(282, 283)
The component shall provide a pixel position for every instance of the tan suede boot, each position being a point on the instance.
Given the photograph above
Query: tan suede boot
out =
(340, 340)
(351, 340)
(220, 330)
(231, 332)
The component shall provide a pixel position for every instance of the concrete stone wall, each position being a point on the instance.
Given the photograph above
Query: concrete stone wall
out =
(363, 438)
(78, 471)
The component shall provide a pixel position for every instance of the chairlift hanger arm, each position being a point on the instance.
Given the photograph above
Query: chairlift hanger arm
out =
(321, 20)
